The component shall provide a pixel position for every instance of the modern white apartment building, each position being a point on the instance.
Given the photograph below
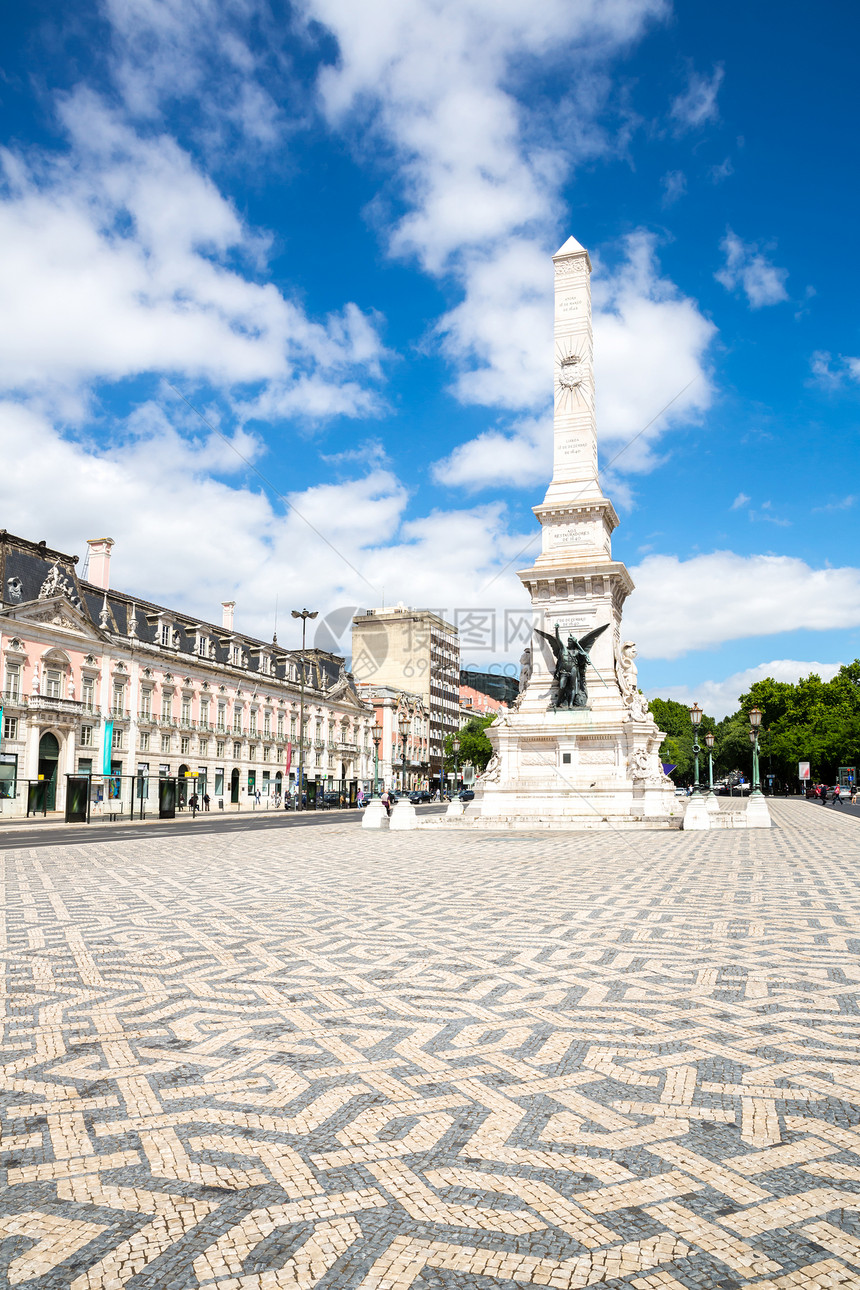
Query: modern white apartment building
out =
(417, 651)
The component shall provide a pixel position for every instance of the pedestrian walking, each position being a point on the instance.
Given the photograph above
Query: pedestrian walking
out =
(853, 798)
(386, 801)
(193, 802)
(837, 796)
(206, 801)
(822, 793)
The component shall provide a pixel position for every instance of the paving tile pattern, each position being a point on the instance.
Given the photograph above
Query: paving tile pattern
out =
(331, 1060)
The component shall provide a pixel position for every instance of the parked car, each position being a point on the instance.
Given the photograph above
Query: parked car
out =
(466, 794)
(419, 795)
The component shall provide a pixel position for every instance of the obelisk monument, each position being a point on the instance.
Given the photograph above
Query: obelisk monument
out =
(581, 746)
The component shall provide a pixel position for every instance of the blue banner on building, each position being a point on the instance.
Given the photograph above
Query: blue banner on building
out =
(107, 748)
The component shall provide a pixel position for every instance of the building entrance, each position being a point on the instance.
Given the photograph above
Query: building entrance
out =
(234, 785)
(49, 756)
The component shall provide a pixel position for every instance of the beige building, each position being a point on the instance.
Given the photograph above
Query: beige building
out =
(121, 692)
(416, 651)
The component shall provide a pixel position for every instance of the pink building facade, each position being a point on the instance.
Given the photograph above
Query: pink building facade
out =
(95, 683)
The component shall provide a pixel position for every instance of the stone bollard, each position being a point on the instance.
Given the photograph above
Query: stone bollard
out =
(455, 807)
(696, 815)
(757, 813)
(373, 816)
(712, 804)
(403, 815)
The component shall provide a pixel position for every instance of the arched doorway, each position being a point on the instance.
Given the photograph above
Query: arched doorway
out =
(49, 757)
(279, 783)
(182, 785)
(234, 784)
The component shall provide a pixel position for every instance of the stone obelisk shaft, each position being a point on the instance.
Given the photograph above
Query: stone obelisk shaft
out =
(574, 474)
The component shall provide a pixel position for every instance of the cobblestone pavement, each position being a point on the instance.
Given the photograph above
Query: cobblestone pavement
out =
(319, 1058)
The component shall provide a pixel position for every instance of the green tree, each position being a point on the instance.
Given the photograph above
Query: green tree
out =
(474, 744)
(676, 750)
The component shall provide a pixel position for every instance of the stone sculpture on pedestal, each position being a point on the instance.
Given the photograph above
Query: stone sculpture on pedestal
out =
(580, 747)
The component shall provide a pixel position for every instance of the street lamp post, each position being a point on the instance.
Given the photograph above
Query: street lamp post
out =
(696, 717)
(377, 735)
(455, 744)
(403, 722)
(755, 722)
(709, 740)
(304, 614)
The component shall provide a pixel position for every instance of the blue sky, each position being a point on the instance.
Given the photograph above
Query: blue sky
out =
(328, 227)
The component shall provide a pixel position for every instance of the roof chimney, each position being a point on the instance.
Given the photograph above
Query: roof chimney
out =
(227, 607)
(99, 565)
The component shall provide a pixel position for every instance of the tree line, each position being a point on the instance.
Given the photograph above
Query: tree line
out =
(808, 720)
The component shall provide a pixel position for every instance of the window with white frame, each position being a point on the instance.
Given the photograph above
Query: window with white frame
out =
(237, 751)
(184, 745)
(222, 715)
(165, 743)
(166, 635)
(86, 736)
(166, 705)
(13, 681)
(144, 741)
(117, 737)
(204, 714)
(267, 724)
(10, 727)
(53, 683)
(88, 692)
(118, 704)
(219, 748)
(280, 725)
(237, 720)
(146, 703)
(292, 726)
(253, 721)
(203, 745)
(186, 710)
(265, 752)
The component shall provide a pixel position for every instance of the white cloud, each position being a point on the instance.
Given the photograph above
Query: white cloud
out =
(674, 185)
(650, 344)
(698, 103)
(748, 269)
(344, 543)
(118, 258)
(480, 175)
(831, 372)
(683, 605)
(740, 501)
(168, 51)
(720, 698)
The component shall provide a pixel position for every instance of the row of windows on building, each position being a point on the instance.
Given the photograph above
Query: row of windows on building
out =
(272, 726)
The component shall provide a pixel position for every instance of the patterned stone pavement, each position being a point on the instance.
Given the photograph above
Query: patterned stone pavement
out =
(326, 1059)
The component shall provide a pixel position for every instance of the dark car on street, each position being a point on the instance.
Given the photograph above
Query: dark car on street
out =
(419, 795)
(466, 794)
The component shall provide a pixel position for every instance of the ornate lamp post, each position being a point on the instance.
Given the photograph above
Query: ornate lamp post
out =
(709, 740)
(455, 745)
(377, 735)
(304, 614)
(403, 723)
(696, 717)
(755, 722)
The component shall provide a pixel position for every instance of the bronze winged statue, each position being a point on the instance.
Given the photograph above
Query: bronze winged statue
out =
(570, 661)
